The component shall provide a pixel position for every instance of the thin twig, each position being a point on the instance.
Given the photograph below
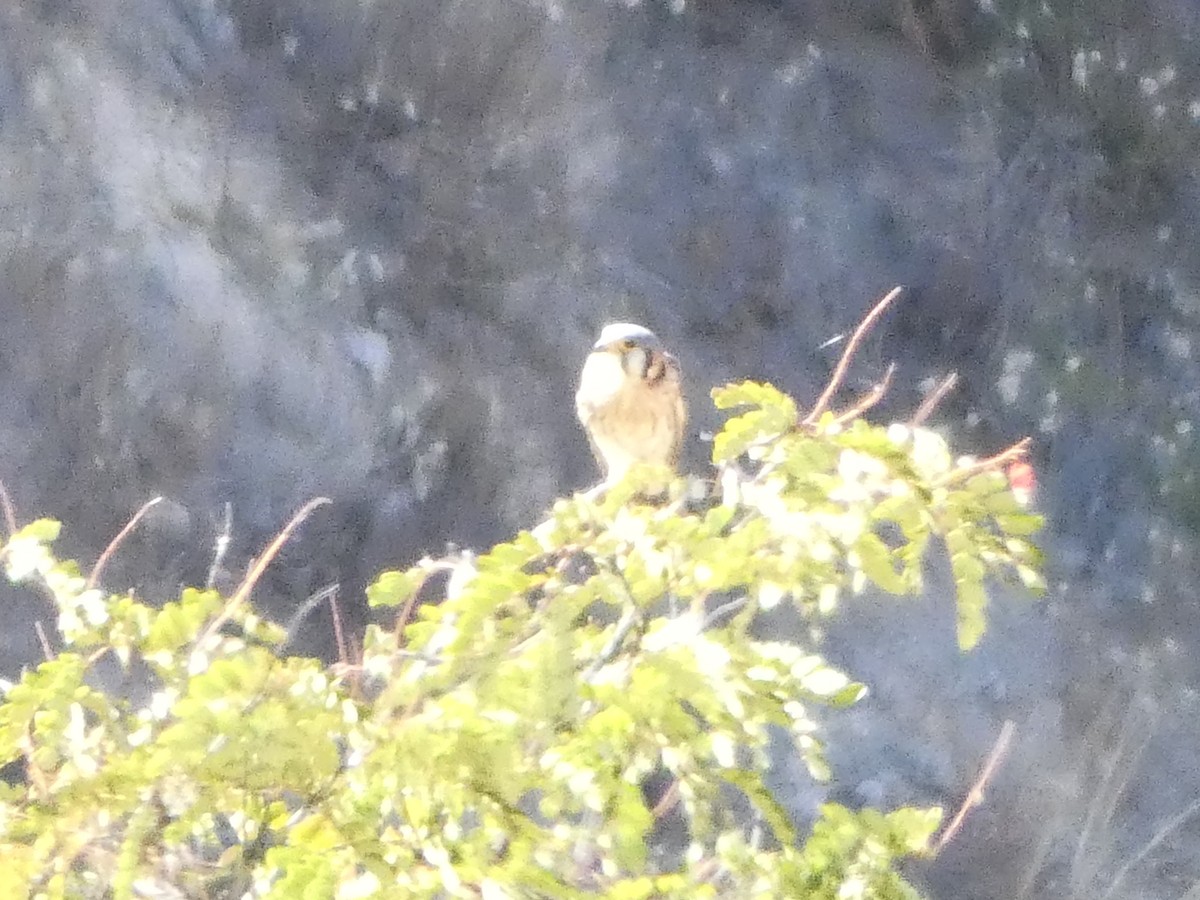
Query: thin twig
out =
(432, 659)
(1159, 836)
(313, 601)
(33, 771)
(406, 612)
(430, 567)
(221, 547)
(350, 651)
(116, 542)
(610, 650)
(356, 668)
(975, 794)
(10, 512)
(1132, 740)
(41, 633)
(338, 636)
(869, 399)
(708, 870)
(932, 399)
(839, 373)
(99, 654)
(1015, 452)
(724, 609)
(667, 801)
(1038, 860)
(1109, 787)
(256, 571)
(409, 604)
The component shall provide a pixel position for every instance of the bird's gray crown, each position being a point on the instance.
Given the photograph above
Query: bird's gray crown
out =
(626, 331)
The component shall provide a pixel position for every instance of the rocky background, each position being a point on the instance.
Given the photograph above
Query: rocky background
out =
(256, 251)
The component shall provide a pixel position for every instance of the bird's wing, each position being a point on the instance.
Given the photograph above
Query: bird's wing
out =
(674, 377)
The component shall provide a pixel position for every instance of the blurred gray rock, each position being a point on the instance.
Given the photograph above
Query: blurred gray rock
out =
(257, 252)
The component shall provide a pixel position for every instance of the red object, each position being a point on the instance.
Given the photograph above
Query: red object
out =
(1023, 481)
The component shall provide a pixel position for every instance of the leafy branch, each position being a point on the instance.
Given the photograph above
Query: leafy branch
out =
(494, 738)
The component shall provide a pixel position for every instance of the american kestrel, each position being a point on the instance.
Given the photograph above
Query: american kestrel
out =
(630, 401)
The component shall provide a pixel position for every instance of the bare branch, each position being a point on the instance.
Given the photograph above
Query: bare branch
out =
(355, 651)
(932, 399)
(975, 794)
(256, 571)
(313, 601)
(406, 612)
(1161, 835)
(338, 635)
(116, 542)
(221, 547)
(1015, 452)
(668, 801)
(839, 373)
(869, 399)
(10, 512)
(41, 633)
(723, 610)
(429, 566)
(631, 618)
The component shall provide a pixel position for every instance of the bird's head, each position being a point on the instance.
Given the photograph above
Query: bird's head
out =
(633, 345)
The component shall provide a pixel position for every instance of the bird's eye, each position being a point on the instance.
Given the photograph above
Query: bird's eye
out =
(627, 344)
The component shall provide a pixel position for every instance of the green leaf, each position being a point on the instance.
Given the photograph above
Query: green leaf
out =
(44, 531)
(633, 889)
(1020, 524)
(314, 833)
(912, 828)
(972, 605)
(774, 415)
(750, 783)
(394, 588)
(738, 435)
(876, 561)
(179, 623)
(1031, 578)
(906, 510)
(753, 393)
(989, 484)
(832, 686)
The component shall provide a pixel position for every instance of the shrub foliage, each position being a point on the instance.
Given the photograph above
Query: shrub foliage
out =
(499, 742)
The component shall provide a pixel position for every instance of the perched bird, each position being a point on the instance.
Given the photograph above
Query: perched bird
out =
(630, 401)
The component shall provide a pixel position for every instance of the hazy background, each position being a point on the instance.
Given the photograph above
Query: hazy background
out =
(259, 250)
